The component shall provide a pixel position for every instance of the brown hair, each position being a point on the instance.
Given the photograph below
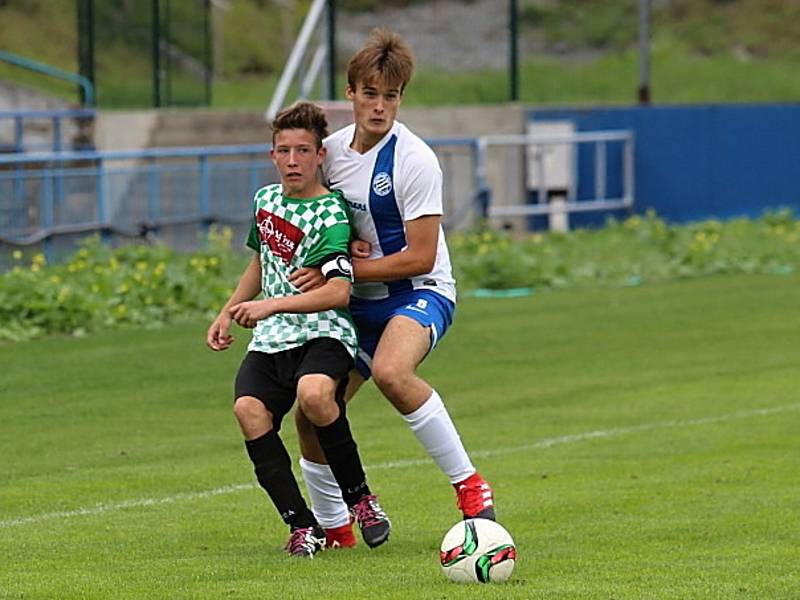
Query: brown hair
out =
(386, 55)
(302, 115)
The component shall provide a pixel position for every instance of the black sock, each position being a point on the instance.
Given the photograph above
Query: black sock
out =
(273, 469)
(342, 454)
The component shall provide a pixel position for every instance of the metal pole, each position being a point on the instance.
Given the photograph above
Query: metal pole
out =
(331, 49)
(293, 63)
(207, 56)
(513, 58)
(86, 39)
(167, 96)
(644, 52)
(156, 28)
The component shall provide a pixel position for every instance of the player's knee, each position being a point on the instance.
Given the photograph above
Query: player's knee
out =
(389, 377)
(316, 399)
(251, 412)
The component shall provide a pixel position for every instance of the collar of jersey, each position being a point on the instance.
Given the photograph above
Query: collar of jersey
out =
(329, 194)
(380, 144)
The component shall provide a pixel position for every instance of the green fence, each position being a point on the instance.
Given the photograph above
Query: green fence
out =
(172, 66)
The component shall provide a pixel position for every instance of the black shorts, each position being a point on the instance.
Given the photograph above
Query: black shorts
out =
(272, 378)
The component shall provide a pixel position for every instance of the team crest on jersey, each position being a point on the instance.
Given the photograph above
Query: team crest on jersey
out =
(382, 183)
(280, 235)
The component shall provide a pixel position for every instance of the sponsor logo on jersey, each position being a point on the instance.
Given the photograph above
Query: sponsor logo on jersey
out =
(356, 205)
(280, 235)
(382, 183)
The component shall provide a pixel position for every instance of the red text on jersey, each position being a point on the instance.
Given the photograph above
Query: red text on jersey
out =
(280, 235)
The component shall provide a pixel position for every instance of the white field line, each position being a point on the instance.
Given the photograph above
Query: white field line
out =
(101, 508)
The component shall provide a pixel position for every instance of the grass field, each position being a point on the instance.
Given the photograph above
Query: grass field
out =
(642, 443)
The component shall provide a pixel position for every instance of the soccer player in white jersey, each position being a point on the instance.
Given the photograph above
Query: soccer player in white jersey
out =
(303, 345)
(404, 293)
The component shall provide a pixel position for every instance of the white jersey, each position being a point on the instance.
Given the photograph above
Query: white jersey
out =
(397, 180)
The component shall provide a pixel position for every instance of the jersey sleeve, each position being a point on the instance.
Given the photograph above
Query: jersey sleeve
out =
(331, 252)
(253, 241)
(421, 187)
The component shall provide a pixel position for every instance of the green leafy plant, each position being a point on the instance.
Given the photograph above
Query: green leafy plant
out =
(149, 285)
(99, 287)
(641, 248)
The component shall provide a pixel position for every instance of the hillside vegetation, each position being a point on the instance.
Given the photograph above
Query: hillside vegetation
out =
(577, 51)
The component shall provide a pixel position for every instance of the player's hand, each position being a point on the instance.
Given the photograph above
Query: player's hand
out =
(218, 337)
(360, 249)
(247, 314)
(306, 279)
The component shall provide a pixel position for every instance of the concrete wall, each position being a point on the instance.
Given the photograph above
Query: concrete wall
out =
(127, 130)
(158, 128)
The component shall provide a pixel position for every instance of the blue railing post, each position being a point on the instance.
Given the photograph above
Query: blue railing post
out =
(483, 194)
(58, 192)
(19, 187)
(205, 197)
(102, 216)
(19, 131)
(57, 145)
(153, 194)
(47, 211)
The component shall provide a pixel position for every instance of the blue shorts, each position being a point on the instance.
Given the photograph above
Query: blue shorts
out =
(431, 310)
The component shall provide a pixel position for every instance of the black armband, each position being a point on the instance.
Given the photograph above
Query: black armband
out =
(337, 265)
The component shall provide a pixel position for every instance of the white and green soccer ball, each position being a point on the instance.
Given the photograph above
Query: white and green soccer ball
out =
(477, 551)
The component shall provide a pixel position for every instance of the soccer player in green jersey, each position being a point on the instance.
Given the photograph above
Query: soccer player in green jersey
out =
(303, 345)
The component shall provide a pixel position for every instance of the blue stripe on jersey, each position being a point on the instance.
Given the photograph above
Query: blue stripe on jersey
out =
(385, 214)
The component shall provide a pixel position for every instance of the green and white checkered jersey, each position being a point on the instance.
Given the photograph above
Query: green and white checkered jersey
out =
(291, 233)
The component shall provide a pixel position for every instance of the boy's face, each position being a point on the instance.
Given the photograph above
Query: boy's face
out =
(375, 105)
(298, 160)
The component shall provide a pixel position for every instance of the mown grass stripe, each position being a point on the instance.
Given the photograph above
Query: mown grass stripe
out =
(102, 508)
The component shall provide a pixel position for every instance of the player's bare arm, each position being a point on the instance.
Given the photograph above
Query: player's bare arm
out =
(218, 336)
(418, 258)
(334, 294)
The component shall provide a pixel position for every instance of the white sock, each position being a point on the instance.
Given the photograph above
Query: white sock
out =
(435, 430)
(326, 497)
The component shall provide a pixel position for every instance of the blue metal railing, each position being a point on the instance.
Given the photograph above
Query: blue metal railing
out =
(49, 197)
(56, 120)
(133, 193)
(174, 193)
(32, 65)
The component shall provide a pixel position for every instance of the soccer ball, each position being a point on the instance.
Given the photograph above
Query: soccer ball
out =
(477, 551)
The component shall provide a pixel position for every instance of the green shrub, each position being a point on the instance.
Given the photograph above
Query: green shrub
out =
(641, 248)
(100, 287)
(147, 286)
